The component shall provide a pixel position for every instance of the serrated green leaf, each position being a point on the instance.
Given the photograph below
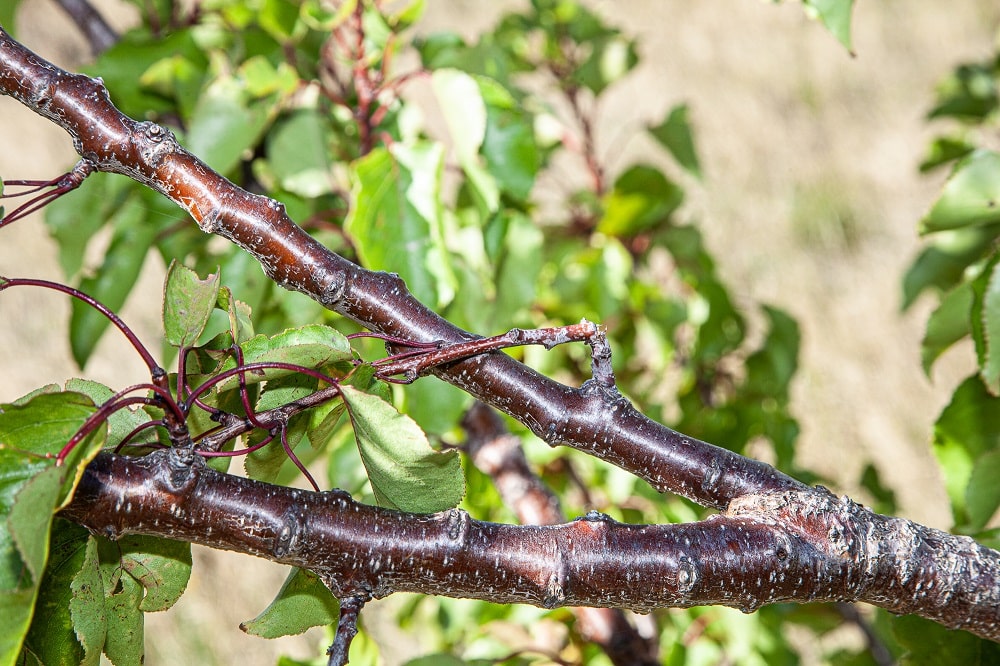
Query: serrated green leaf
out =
(312, 346)
(53, 637)
(122, 422)
(989, 312)
(404, 471)
(161, 566)
(948, 324)
(396, 220)
(970, 198)
(836, 16)
(124, 645)
(87, 612)
(114, 279)
(675, 134)
(188, 302)
(44, 424)
(302, 603)
(943, 263)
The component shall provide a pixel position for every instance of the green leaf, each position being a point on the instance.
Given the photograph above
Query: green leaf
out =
(509, 146)
(161, 566)
(303, 602)
(989, 312)
(74, 219)
(835, 15)
(967, 428)
(31, 489)
(188, 302)
(942, 265)
(298, 152)
(948, 324)
(982, 495)
(404, 471)
(971, 197)
(943, 150)
(225, 123)
(124, 645)
(54, 637)
(675, 134)
(123, 68)
(239, 315)
(396, 220)
(642, 198)
(266, 463)
(87, 612)
(611, 58)
(464, 111)
(7, 12)
(312, 346)
(122, 422)
(27, 501)
(114, 279)
(42, 425)
(930, 644)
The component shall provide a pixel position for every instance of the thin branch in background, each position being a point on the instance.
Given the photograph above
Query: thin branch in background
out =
(89, 21)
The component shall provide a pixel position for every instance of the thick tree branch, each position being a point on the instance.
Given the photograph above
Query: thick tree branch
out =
(593, 418)
(792, 545)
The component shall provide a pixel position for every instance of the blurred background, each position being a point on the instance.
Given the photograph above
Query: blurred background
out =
(810, 202)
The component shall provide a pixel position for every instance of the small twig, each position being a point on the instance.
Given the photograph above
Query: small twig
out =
(347, 628)
(412, 366)
(61, 185)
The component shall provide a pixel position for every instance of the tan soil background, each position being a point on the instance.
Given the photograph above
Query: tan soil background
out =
(810, 202)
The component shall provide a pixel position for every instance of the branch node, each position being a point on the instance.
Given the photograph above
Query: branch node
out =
(181, 468)
(458, 524)
(293, 525)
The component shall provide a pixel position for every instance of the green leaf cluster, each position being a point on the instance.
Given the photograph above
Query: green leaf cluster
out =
(960, 267)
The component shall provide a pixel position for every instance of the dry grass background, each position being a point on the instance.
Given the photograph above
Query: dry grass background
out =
(810, 202)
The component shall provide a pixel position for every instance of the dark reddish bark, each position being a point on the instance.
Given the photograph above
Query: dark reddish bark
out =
(776, 540)
(806, 545)
(594, 418)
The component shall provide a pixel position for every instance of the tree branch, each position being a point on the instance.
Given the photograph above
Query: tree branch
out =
(783, 546)
(777, 540)
(593, 418)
